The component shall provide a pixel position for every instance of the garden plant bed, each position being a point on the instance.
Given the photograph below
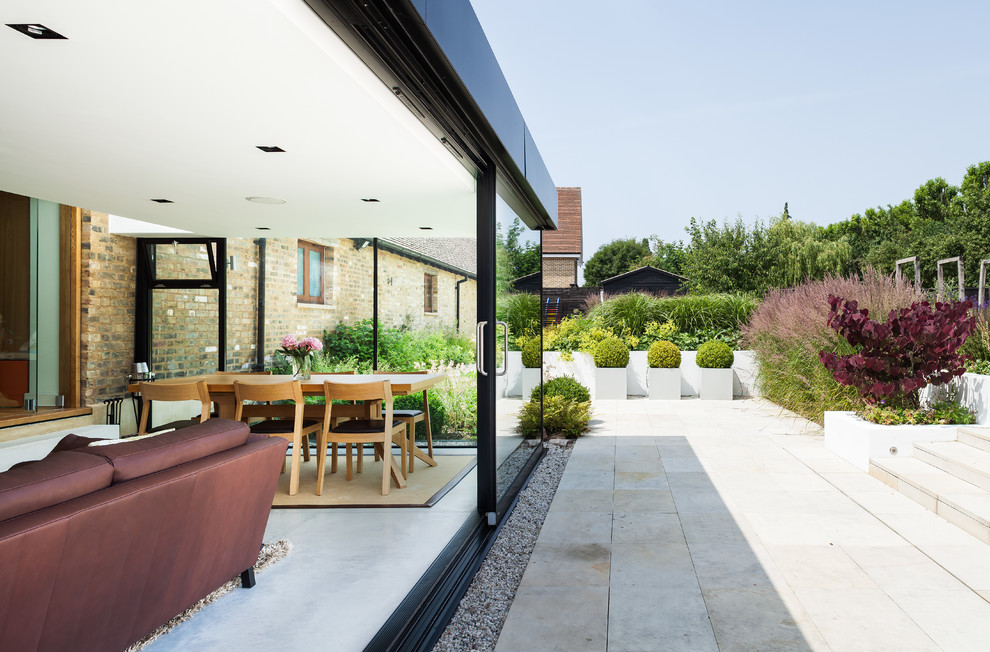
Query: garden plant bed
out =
(857, 440)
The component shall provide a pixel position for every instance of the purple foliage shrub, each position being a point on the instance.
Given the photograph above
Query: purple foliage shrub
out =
(916, 346)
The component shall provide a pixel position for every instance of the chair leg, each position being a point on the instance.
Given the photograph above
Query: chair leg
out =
(321, 461)
(426, 422)
(386, 468)
(350, 462)
(333, 458)
(296, 463)
(305, 445)
(360, 457)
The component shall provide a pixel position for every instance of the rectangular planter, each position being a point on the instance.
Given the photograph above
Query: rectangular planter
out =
(665, 384)
(716, 384)
(610, 384)
(857, 441)
(530, 380)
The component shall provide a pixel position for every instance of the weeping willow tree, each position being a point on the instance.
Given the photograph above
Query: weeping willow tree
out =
(798, 251)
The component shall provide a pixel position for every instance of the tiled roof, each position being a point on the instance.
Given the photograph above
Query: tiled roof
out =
(568, 238)
(459, 253)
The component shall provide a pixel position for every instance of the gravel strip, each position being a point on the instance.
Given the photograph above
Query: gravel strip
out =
(483, 609)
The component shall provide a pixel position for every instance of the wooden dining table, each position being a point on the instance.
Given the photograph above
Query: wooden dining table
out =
(221, 388)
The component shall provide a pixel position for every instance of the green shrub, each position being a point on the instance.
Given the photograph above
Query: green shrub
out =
(715, 354)
(939, 413)
(438, 415)
(632, 311)
(664, 355)
(563, 386)
(532, 356)
(399, 349)
(521, 312)
(560, 415)
(789, 329)
(611, 353)
(657, 332)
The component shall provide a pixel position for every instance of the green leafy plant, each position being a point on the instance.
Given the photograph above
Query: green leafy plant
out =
(560, 415)
(664, 355)
(521, 312)
(532, 355)
(714, 355)
(611, 353)
(942, 412)
(563, 386)
(657, 332)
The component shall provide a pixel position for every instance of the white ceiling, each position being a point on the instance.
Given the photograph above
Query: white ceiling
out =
(169, 99)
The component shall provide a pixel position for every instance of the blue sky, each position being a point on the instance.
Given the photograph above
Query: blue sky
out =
(662, 111)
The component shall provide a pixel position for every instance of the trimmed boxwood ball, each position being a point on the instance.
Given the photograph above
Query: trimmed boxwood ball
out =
(664, 355)
(714, 354)
(532, 355)
(611, 353)
(563, 386)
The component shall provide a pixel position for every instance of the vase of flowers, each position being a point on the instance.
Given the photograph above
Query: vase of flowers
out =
(300, 354)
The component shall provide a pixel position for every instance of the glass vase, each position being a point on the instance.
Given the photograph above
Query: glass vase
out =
(302, 366)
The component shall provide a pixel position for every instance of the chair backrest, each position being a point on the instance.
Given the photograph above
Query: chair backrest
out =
(397, 373)
(244, 373)
(376, 390)
(337, 373)
(165, 391)
(288, 391)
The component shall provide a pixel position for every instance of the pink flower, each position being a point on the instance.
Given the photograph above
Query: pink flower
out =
(311, 343)
(289, 342)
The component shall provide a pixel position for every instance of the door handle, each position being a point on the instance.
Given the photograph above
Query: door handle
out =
(505, 350)
(479, 356)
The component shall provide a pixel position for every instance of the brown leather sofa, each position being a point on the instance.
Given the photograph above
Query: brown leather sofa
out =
(101, 545)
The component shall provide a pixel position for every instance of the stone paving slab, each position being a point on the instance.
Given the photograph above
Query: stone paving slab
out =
(722, 525)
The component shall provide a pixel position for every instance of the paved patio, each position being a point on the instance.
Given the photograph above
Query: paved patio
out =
(727, 526)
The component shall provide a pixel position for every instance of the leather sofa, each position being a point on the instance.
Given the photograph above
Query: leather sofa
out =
(100, 545)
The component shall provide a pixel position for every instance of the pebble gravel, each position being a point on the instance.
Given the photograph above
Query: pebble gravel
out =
(482, 611)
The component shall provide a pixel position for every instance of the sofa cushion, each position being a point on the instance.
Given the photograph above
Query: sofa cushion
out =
(133, 459)
(61, 476)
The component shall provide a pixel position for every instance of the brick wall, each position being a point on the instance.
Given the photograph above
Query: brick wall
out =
(184, 331)
(559, 272)
(107, 307)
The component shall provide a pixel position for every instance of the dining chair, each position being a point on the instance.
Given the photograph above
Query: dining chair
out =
(173, 392)
(295, 429)
(381, 433)
(411, 418)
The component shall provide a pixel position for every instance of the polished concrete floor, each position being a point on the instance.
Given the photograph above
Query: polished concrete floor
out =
(716, 525)
(347, 572)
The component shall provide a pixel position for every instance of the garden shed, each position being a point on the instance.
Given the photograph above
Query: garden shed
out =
(645, 279)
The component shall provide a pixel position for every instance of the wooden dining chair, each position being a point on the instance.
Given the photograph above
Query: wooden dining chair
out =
(381, 433)
(411, 418)
(295, 428)
(173, 392)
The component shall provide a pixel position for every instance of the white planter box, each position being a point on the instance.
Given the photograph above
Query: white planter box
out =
(974, 393)
(610, 384)
(530, 381)
(665, 384)
(716, 384)
(857, 441)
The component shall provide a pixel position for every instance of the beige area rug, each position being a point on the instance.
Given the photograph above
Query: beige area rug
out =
(270, 553)
(424, 487)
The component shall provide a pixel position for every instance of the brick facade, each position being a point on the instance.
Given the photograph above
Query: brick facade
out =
(184, 332)
(559, 272)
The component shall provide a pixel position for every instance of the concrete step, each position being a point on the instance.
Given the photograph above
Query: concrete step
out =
(956, 458)
(963, 504)
(975, 436)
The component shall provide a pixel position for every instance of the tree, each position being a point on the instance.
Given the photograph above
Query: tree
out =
(522, 257)
(726, 258)
(615, 258)
(668, 256)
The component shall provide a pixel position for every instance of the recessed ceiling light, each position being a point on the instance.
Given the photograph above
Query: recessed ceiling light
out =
(163, 201)
(370, 200)
(35, 30)
(265, 200)
(426, 228)
(270, 148)
(262, 228)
